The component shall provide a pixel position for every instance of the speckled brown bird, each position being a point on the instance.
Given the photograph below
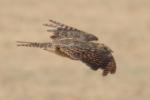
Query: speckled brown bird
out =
(77, 45)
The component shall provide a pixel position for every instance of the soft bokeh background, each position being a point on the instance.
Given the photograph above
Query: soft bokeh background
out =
(34, 74)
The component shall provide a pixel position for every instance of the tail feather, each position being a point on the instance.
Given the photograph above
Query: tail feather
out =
(34, 44)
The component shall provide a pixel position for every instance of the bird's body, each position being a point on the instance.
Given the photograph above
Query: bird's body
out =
(71, 44)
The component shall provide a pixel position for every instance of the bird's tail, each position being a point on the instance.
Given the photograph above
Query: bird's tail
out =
(34, 44)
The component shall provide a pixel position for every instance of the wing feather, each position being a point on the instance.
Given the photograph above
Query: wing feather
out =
(60, 30)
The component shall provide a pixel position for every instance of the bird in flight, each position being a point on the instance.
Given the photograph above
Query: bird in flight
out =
(78, 45)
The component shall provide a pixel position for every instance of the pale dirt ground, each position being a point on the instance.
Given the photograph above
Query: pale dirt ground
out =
(34, 74)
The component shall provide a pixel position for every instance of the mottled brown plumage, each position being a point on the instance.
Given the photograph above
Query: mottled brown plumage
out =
(69, 42)
(60, 31)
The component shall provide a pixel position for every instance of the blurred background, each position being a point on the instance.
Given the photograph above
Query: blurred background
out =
(34, 74)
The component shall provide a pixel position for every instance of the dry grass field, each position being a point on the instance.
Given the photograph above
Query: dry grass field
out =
(34, 74)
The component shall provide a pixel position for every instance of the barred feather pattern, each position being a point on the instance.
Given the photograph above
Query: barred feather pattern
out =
(34, 44)
(60, 30)
(78, 45)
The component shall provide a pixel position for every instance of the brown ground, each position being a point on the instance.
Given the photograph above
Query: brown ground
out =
(34, 74)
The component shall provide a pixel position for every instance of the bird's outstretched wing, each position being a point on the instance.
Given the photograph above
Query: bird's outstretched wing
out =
(44, 45)
(60, 31)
